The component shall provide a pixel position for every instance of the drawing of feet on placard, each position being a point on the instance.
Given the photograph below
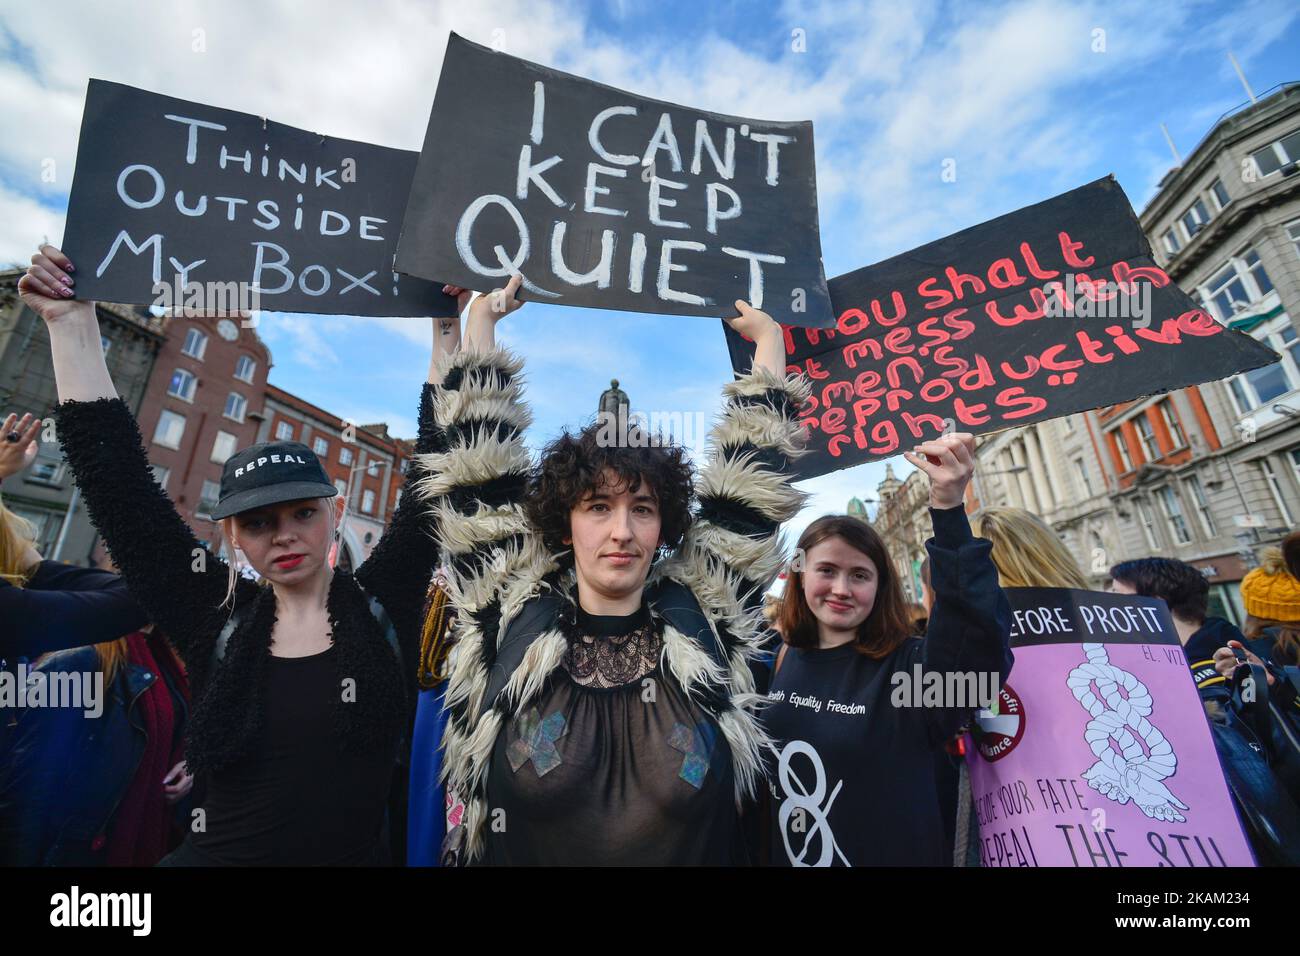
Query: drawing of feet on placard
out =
(1133, 756)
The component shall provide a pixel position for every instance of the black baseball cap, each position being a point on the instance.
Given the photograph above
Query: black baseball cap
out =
(268, 473)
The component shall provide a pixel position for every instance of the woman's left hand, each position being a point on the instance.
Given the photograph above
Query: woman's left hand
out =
(17, 443)
(949, 461)
(177, 783)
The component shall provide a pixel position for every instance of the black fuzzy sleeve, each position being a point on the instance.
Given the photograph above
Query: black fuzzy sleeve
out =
(969, 631)
(173, 577)
(401, 565)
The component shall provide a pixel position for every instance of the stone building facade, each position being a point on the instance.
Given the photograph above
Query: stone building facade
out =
(44, 494)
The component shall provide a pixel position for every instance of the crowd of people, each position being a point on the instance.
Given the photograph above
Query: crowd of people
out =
(592, 679)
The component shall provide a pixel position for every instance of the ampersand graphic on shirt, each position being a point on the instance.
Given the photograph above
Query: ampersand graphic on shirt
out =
(1144, 758)
(798, 797)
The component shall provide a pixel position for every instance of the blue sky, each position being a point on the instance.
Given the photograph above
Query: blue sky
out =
(1018, 94)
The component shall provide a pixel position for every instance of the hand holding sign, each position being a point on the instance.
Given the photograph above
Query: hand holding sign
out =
(46, 287)
(764, 331)
(949, 461)
(487, 310)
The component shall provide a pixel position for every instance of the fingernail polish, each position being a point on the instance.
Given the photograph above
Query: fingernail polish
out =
(67, 293)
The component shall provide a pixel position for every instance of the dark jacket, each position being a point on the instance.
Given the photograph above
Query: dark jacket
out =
(1251, 763)
(1213, 634)
(181, 587)
(65, 773)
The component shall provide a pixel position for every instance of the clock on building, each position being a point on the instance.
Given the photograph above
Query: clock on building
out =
(227, 330)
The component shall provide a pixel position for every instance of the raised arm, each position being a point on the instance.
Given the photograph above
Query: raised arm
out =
(475, 479)
(174, 578)
(969, 631)
(65, 606)
(400, 566)
(733, 551)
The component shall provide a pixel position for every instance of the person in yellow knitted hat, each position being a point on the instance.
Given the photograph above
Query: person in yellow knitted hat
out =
(1271, 596)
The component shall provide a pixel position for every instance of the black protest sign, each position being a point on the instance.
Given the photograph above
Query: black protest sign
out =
(605, 199)
(176, 203)
(1053, 309)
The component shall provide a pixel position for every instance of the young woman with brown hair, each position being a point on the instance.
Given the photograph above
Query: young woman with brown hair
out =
(854, 776)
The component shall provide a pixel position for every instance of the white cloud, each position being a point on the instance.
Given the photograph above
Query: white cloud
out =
(24, 224)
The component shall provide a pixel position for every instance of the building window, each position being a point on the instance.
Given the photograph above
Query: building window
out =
(1121, 446)
(372, 468)
(345, 456)
(196, 343)
(1147, 436)
(1275, 488)
(160, 475)
(1277, 154)
(1237, 285)
(1264, 285)
(1172, 245)
(1262, 386)
(1194, 219)
(1173, 510)
(1202, 504)
(368, 501)
(1082, 471)
(1171, 422)
(182, 385)
(403, 466)
(208, 499)
(342, 486)
(244, 369)
(1148, 525)
(1293, 233)
(170, 430)
(321, 447)
(48, 467)
(284, 431)
(223, 447)
(1220, 194)
(236, 405)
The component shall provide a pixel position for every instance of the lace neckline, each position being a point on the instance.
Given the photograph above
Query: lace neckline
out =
(607, 651)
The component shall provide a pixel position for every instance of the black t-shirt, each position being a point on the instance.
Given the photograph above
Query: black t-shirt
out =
(633, 774)
(300, 799)
(854, 783)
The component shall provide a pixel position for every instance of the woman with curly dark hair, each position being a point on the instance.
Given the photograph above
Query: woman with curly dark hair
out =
(302, 683)
(600, 699)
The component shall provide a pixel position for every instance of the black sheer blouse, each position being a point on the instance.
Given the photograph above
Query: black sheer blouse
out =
(612, 764)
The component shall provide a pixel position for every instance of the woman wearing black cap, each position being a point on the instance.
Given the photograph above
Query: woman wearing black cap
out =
(302, 687)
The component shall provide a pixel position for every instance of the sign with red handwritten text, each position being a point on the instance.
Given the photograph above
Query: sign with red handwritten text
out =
(1053, 309)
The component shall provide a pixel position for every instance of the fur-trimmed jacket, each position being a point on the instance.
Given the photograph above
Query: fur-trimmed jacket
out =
(512, 597)
(181, 586)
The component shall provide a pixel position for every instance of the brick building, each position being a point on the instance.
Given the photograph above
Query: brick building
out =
(202, 404)
(365, 463)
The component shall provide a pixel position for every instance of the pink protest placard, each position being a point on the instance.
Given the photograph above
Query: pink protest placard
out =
(1099, 753)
